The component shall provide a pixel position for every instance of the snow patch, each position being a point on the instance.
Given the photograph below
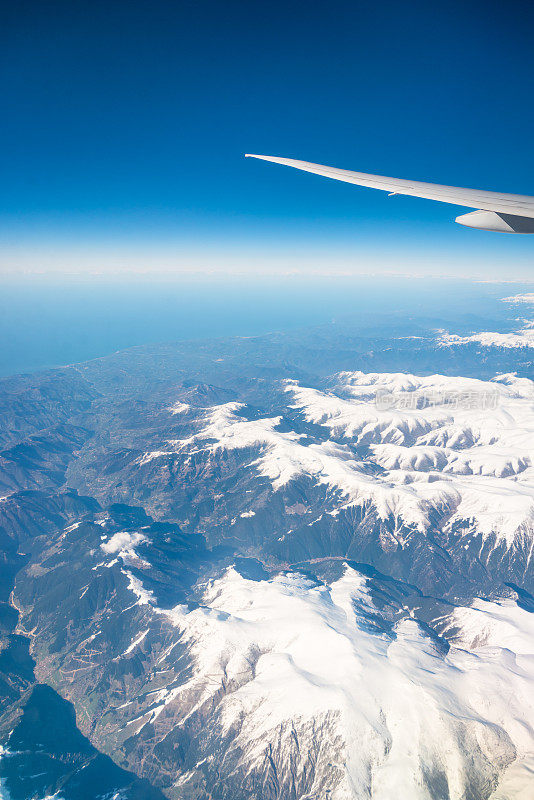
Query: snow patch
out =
(179, 408)
(123, 543)
(144, 597)
(137, 641)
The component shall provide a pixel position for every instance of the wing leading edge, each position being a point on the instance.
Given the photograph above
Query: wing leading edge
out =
(512, 213)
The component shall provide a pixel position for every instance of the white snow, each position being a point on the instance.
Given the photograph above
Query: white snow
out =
(524, 337)
(123, 543)
(458, 447)
(521, 338)
(73, 527)
(151, 456)
(135, 643)
(298, 659)
(179, 408)
(144, 597)
(527, 298)
(472, 456)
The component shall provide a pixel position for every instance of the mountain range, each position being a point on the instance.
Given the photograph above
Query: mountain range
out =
(289, 566)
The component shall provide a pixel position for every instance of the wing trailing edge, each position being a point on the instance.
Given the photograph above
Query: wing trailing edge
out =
(511, 213)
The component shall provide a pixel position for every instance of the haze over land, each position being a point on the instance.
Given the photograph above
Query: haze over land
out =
(47, 321)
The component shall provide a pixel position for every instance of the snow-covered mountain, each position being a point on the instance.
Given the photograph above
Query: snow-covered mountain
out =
(455, 443)
(315, 691)
(521, 336)
(254, 576)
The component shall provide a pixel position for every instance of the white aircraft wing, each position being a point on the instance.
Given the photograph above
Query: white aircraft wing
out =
(512, 213)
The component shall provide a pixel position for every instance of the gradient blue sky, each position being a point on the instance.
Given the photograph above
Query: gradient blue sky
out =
(124, 126)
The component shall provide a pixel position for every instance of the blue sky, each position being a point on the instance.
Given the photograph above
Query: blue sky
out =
(125, 124)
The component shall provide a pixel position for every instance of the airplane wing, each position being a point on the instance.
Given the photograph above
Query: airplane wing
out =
(510, 213)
